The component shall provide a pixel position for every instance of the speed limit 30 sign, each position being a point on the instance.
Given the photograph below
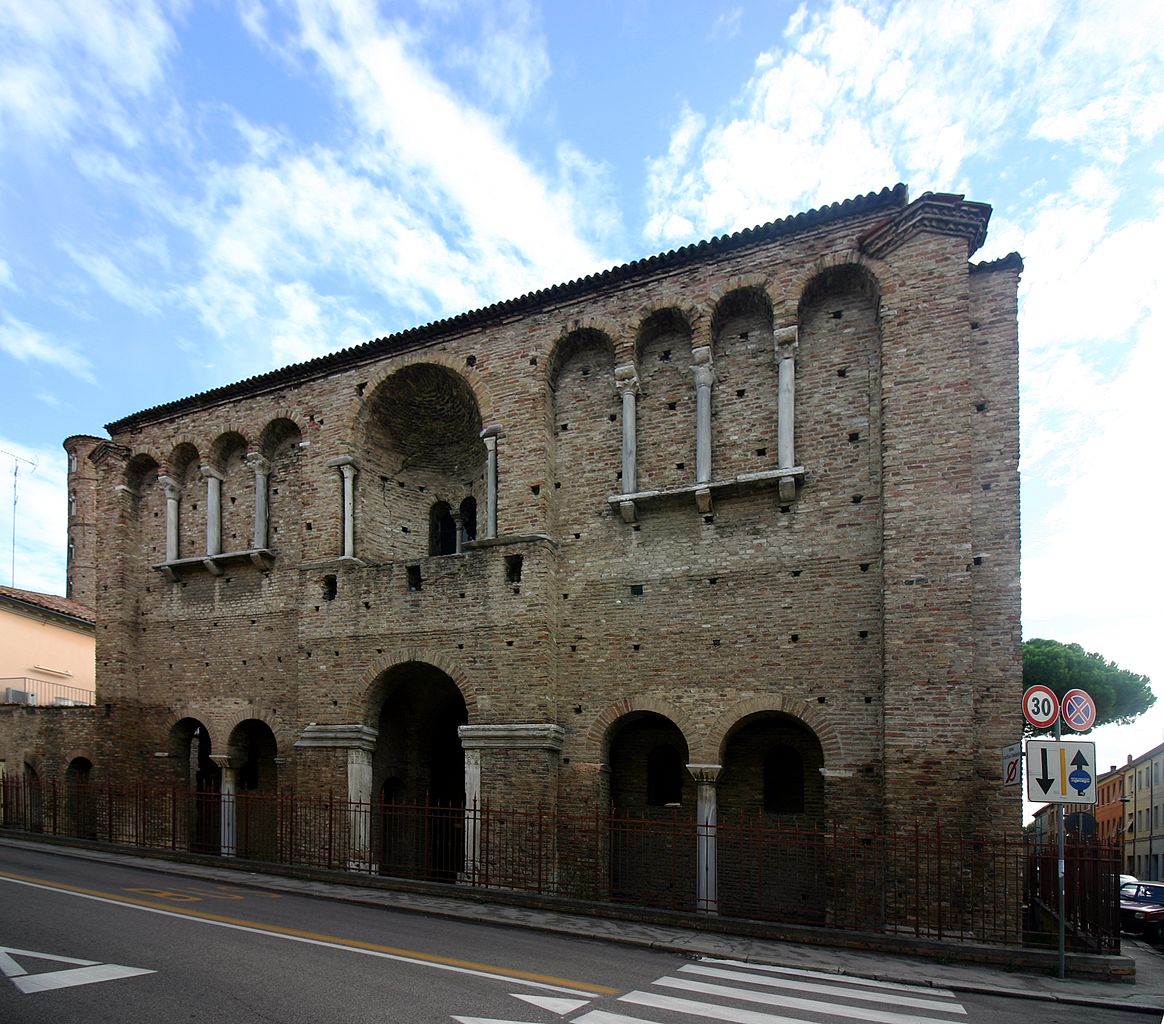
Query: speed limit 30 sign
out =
(1040, 706)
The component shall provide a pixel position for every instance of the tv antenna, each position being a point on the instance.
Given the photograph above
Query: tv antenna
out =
(16, 461)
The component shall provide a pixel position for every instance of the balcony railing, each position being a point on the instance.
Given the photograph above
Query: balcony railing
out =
(42, 693)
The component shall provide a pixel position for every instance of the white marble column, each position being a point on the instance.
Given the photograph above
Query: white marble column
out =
(473, 815)
(226, 805)
(213, 480)
(262, 471)
(704, 372)
(173, 492)
(347, 467)
(627, 382)
(490, 435)
(459, 525)
(360, 808)
(706, 820)
(786, 347)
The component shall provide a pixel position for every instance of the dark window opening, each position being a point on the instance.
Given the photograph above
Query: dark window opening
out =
(513, 568)
(783, 781)
(664, 776)
(442, 530)
(414, 578)
(469, 518)
(330, 588)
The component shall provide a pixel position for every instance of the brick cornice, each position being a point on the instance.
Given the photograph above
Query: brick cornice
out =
(935, 212)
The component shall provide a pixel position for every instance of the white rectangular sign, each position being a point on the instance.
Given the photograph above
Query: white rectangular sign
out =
(1061, 771)
(1012, 760)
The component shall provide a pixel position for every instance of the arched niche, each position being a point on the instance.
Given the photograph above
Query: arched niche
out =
(744, 396)
(418, 442)
(666, 402)
(586, 436)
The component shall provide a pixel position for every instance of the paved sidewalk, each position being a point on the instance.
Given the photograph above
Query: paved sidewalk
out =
(1145, 995)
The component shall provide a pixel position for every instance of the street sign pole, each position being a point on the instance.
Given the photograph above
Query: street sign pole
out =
(1062, 873)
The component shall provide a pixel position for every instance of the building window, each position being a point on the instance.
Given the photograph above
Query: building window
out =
(442, 530)
(469, 519)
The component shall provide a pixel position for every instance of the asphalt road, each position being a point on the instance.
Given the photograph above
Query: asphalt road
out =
(86, 941)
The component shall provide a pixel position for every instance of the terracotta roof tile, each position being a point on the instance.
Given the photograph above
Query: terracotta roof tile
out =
(49, 602)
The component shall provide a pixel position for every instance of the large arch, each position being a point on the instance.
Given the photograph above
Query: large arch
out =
(196, 780)
(253, 751)
(652, 810)
(418, 771)
(771, 806)
(416, 441)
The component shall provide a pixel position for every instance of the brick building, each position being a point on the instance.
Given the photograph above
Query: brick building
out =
(731, 531)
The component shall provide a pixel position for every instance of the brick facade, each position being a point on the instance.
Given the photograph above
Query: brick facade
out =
(820, 592)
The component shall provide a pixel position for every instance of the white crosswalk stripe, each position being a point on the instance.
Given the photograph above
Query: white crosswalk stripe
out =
(743, 993)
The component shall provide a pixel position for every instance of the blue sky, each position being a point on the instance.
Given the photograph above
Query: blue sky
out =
(191, 193)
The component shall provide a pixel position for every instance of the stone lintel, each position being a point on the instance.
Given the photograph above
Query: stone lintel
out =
(837, 773)
(531, 736)
(347, 737)
(703, 500)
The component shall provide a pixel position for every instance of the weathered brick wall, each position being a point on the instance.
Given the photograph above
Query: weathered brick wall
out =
(878, 607)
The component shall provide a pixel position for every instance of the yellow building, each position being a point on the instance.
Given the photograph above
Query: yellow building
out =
(47, 649)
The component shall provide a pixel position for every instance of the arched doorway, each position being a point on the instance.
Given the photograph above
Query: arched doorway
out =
(80, 805)
(771, 853)
(253, 750)
(199, 781)
(652, 797)
(418, 773)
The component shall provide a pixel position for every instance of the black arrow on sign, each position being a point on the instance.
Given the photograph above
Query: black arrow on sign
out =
(1044, 780)
(1079, 761)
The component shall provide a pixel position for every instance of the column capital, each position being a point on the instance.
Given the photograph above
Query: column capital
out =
(210, 473)
(222, 760)
(344, 463)
(787, 340)
(171, 487)
(703, 366)
(705, 773)
(490, 435)
(258, 462)
(626, 378)
(787, 336)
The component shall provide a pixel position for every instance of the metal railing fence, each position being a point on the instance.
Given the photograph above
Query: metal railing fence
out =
(920, 882)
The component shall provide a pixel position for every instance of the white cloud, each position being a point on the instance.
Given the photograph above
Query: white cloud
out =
(455, 159)
(72, 67)
(26, 344)
(510, 62)
(6, 275)
(41, 517)
(862, 95)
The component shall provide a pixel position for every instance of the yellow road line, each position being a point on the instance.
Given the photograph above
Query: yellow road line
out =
(315, 937)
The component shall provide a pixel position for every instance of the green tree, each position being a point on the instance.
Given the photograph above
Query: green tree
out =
(1120, 696)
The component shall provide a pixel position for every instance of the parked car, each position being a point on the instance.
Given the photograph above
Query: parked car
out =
(1124, 879)
(1142, 909)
